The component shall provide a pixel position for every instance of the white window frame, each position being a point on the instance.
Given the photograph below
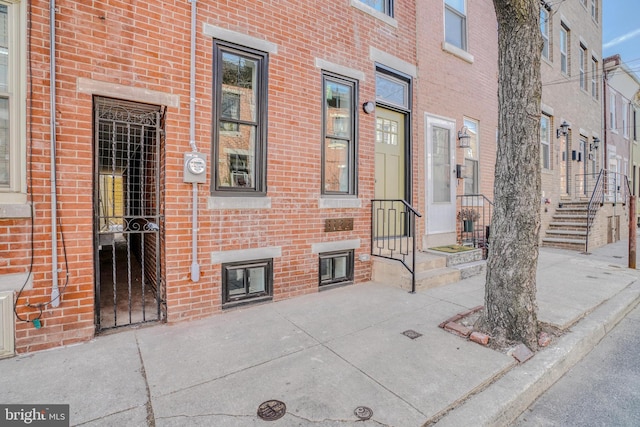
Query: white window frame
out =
(564, 49)
(462, 14)
(583, 67)
(544, 29)
(612, 112)
(594, 78)
(545, 140)
(15, 192)
(594, 10)
(625, 121)
(472, 157)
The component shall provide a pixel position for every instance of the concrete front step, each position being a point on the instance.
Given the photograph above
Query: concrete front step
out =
(567, 232)
(562, 243)
(568, 224)
(433, 269)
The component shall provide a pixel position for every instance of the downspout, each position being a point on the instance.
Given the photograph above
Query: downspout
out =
(195, 267)
(55, 292)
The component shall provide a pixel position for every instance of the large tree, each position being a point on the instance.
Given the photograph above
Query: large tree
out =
(510, 293)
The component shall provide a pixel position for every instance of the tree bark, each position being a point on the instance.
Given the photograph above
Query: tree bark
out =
(510, 293)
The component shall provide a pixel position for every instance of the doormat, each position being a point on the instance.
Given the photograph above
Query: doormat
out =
(452, 249)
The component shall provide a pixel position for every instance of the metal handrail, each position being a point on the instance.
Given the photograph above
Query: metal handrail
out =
(393, 227)
(481, 206)
(596, 200)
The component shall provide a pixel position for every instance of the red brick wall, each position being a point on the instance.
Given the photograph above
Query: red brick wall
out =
(139, 44)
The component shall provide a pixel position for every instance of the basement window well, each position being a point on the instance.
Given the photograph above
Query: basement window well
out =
(247, 282)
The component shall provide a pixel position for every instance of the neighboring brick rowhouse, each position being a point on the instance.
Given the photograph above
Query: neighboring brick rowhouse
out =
(138, 51)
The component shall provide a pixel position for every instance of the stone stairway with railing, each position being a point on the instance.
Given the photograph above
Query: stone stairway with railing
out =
(433, 269)
(568, 227)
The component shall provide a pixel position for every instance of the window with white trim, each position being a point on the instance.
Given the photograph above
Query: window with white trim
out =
(564, 50)
(625, 121)
(612, 112)
(383, 6)
(545, 142)
(594, 78)
(583, 67)
(544, 29)
(471, 159)
(455, 23)
(12, 81)
(594, 10)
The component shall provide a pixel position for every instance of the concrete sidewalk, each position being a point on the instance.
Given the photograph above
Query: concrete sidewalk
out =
(326, 354)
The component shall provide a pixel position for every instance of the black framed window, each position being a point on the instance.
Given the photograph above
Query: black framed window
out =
(383, 6)
(336, 268)
(246, 281)
(339, 135)
(240, 119)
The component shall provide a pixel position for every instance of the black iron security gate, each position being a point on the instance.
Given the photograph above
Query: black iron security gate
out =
(128, 205)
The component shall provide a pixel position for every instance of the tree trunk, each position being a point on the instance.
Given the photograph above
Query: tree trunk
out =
(510, 293)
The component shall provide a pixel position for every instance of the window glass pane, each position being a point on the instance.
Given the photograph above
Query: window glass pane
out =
(392, 91)
(338, 113)
(4, 48)
(470, 176)
(441, 165)
(386, 131)
(257, 279)
(4, 142)
(336, 170)
(340, 267)
(379, 5)
(544, 142)
(235, 282)
(239, 76)
(236, 155)
(456, 4)
(326, 269)
(454, 28)
(544, 29)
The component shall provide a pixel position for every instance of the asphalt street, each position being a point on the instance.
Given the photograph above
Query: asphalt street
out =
(601, 390)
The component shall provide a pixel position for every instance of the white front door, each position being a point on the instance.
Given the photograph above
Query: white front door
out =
(441, 179)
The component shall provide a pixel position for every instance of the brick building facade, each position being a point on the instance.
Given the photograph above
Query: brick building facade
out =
(181, 182)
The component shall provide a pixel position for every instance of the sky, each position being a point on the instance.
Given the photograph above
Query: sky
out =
(621, 31)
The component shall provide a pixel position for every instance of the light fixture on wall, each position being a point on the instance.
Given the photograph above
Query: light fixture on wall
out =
(563, 129)
(595, 144)
(369, 107)
(464, 139)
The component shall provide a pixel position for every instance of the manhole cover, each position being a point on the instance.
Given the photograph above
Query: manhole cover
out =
(412, 334)
(363, 413)
(272, 410)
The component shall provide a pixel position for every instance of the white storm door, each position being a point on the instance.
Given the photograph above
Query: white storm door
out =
(441, 183)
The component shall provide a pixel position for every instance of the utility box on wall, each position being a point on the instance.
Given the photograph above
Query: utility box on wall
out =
(6, 324)
(195, 167)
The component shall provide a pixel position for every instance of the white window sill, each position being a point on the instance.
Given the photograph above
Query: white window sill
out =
(339, 202)
(15, 282)
(373, 12)
(462, 54)
(15, 210)
(219, 203)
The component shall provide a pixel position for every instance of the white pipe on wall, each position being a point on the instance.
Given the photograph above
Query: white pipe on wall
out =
(55, 292)
(195, 267)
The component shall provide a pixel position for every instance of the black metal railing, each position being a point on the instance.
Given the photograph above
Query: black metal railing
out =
(474, 218)
(596, 200)
(393, 232)
(610, 187)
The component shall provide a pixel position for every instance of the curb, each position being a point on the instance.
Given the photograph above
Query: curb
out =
(505, 399)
